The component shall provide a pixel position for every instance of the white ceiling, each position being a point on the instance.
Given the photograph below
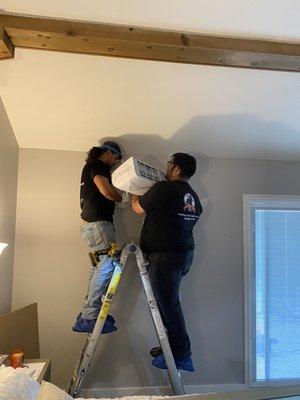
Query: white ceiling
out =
(69, 102)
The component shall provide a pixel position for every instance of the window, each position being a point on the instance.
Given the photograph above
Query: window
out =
(272, 289)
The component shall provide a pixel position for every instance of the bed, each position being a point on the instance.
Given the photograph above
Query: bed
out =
(16, 384)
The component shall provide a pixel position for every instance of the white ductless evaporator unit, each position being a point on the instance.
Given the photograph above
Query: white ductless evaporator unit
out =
(136, 177)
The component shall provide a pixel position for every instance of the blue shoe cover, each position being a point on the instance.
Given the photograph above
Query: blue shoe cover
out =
(84, 325)
(108, 327)
(87, 326)
(109, 318)
(182, 363)
(159, 362)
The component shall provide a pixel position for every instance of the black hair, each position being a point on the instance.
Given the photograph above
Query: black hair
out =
(186, 163)
(94, 153)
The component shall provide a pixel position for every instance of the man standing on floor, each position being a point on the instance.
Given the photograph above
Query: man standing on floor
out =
(97, 201)
(172, 208)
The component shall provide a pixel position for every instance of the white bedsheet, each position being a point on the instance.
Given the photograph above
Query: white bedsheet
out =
(16, 384)
(152, 397)
(123, 398)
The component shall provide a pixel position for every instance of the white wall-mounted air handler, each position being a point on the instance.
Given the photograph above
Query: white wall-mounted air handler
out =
(136, 177)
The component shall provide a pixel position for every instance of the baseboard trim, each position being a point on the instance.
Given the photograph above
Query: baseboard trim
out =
(159, 390)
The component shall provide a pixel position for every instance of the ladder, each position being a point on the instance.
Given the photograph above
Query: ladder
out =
(88, 351)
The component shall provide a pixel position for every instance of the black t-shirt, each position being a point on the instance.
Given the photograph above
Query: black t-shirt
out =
(172, 209)
(94, 206)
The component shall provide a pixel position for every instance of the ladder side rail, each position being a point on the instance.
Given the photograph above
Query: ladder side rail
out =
(89, 349)
(174, 374)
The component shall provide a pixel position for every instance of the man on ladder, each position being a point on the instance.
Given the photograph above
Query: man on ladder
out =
(97, 201)
(172, 208)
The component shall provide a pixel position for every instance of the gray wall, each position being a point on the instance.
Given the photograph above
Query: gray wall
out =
(51, 267)
(8, 196)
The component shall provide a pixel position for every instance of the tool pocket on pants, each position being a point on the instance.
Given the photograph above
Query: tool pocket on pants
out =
(88, 234)
(98, 235)
(104, 232)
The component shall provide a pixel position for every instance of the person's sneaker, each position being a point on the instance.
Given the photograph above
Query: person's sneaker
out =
(156, 351)
(87, 325)
(182, 363)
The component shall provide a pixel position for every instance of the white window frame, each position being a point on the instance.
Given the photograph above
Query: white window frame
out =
(250, 203)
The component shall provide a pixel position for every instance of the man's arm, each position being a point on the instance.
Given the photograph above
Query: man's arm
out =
(135, 204)
(106, 189)
(149, 201)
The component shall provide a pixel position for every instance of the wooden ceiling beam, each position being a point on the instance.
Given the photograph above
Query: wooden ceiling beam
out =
(6, 46)
(149, 44)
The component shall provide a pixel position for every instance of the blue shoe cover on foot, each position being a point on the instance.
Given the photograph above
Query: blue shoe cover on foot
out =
(84, 325)
(182, 363)
(109, 318)
(87, 326)
(159, 362)
(108, 327)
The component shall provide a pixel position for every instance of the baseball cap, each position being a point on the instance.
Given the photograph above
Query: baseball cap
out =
(113, 147)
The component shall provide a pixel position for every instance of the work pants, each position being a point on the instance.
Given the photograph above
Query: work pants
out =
(98, 236)
(165, 273)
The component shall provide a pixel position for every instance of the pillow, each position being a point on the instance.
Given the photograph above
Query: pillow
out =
(48, 391)
(16, 384)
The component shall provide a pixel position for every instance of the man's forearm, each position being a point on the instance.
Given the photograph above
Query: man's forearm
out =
(106, 189)
(113, 195)
(133, 199)
(135, 204)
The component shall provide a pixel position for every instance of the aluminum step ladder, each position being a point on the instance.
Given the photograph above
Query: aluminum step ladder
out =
(82, 366)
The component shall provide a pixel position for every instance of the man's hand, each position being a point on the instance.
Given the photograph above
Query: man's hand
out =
(135, 204)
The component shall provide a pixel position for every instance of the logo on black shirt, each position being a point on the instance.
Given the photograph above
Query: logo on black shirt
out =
(189, 203)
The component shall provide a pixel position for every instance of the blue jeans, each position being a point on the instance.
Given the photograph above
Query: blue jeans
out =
(165, 273)
(98, 236)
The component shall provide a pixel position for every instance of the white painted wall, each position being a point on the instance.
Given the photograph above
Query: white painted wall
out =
(8, 197)
(51, 267)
